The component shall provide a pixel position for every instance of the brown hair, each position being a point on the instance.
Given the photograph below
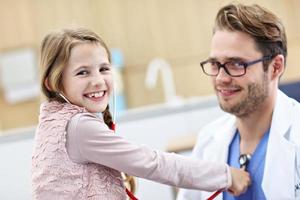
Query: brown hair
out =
(262, 25)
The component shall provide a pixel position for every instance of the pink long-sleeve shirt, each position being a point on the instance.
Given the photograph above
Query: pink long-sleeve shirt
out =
(90, 140)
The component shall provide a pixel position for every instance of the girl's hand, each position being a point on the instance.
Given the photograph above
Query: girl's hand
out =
(240, 181)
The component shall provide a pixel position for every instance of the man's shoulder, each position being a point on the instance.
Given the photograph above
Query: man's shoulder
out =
(295, 105)
(288, 116)
(224, 120)
(209, 133)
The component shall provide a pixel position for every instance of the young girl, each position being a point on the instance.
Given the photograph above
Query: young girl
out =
(76, 155)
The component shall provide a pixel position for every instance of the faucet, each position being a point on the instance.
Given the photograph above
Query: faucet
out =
(162, 65)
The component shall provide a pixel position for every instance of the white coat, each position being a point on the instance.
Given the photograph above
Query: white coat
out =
(281, 180)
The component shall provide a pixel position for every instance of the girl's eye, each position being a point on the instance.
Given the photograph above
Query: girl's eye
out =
(83, 72)
(103, 69)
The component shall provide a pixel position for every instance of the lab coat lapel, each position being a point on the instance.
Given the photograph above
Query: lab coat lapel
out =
(218, 149)
(278, 180)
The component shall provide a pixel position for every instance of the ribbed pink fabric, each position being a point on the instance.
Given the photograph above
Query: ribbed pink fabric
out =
(54, 175)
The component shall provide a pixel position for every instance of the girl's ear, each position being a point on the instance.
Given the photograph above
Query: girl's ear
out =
(46, 82)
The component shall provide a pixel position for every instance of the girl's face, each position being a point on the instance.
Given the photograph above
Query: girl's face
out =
(87, 78)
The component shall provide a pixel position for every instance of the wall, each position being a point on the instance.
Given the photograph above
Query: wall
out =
(15, 168)
(176, 30)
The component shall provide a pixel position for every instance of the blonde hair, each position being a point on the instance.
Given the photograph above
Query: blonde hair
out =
(261, 24)
(55, 52)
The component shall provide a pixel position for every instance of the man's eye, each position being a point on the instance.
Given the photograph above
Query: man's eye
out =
(214, 64)
(236, 64)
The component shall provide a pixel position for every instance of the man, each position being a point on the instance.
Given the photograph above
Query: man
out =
(247, 58)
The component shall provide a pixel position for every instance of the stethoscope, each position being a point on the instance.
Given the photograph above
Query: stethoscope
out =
(113, 128)
(244, 160)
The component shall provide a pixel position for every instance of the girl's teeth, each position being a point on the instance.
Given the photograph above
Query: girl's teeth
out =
(96, 94)
(99, 94)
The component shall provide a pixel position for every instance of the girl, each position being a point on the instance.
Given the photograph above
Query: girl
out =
(76, 155)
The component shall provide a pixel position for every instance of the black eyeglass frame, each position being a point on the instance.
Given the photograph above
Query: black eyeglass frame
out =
(244, 64)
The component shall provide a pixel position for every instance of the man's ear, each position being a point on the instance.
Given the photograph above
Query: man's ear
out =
(277, 66)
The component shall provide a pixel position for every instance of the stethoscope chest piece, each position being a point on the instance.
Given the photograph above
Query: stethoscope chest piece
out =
(244, 160)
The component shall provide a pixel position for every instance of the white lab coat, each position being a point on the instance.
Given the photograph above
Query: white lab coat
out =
(282, 162)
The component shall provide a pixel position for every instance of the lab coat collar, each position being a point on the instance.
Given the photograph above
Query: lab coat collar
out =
(218, 150)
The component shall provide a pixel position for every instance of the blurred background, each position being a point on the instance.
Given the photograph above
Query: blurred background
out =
(156, 45)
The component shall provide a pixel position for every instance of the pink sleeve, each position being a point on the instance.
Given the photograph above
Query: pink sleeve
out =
(90, 140)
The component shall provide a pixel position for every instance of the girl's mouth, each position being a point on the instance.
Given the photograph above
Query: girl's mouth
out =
(95, 95)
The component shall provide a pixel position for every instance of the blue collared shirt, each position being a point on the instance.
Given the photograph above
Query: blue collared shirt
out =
(255, 167)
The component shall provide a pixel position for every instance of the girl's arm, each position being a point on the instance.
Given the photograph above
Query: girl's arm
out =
(90, 140)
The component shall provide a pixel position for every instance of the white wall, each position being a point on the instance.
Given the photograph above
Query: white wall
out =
(154, 127)
(15, 169)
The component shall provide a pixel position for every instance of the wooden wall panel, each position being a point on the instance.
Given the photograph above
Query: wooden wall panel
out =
(178, 31)
(18, 115)
(16, 24)
(51, 15)
(142, 95)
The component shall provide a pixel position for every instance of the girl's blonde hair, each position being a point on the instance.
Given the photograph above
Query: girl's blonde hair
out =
(55, 53)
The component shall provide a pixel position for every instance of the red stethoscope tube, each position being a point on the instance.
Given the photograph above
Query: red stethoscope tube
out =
(214, 195)
(131, 196)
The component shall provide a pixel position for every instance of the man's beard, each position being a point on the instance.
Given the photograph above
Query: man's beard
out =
(257, 93)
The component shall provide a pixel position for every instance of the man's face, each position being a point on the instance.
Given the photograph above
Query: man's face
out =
(243, 95)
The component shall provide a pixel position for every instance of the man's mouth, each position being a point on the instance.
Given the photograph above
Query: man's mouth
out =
(228, 92)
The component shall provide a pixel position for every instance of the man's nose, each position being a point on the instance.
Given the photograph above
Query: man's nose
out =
(223, 76)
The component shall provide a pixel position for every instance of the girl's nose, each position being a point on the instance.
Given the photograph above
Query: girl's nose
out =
(97, 80)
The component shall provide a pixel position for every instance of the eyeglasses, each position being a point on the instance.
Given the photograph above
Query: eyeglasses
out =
(232, 68)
